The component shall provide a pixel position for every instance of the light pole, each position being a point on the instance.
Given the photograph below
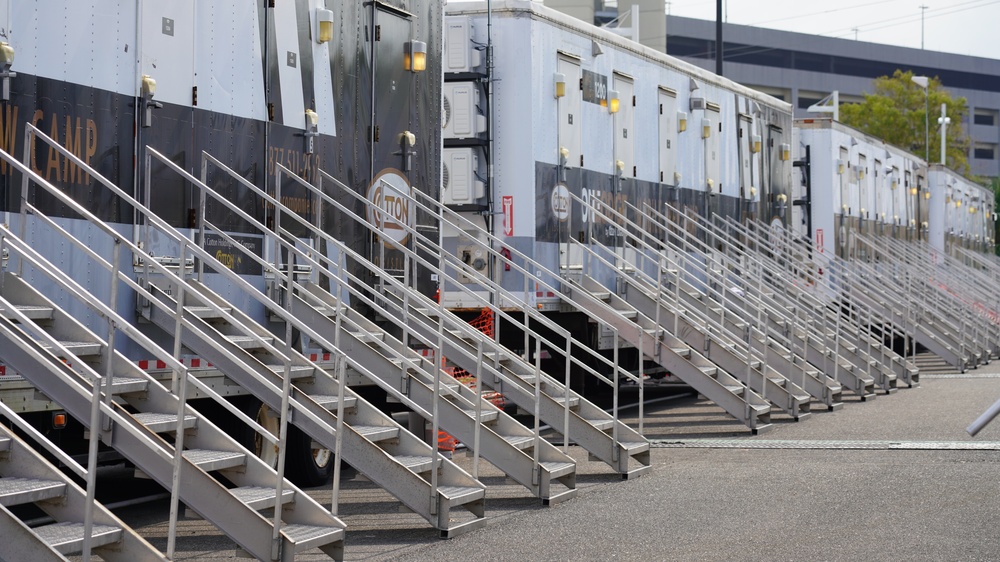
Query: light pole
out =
(924, 83)
(944, 121)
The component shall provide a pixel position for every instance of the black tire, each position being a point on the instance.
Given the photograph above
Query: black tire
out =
(304, 466)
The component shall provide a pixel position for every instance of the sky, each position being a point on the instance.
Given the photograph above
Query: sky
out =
(966, 27)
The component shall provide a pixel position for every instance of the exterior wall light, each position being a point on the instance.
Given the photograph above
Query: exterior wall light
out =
(613, 102)
(147, 89)
(682, 121)
(415, 56)
(6, 61)
(559, 79)
(324, 25)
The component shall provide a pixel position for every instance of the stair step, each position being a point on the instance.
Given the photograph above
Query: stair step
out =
(634, 447)
(709, 370)
(484, 415)
(207, 312)
(162, 423)
(375, 433)
(602, 424)
(258, 497)
(736, 389)
(67, 538)
(308, 537)
(126, 385)
(602, 295)
(330, 402)
(368, 337)
(209, 460)
(249, 342)
(574, 401)
(78, 348)
(416, 463)
(559, 469)
(298, 371)
(460, 494)
(17, 491)
(520, 441)
(684, 352)
(31, 311)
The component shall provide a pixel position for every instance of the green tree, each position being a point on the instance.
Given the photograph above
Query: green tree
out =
(895, 113)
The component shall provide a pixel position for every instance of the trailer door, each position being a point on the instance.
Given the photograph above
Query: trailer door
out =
(668, 136)
(568, 149)
(625, 125)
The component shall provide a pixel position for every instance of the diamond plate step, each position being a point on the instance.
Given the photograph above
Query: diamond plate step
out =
(376, 433)
(17, 491)
(161, 423)
(307, 537)
(78, 348)
(258, 497)
(208, 460)
(67, 538)
(32, 312)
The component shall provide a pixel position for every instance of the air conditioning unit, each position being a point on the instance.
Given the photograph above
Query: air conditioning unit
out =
(460, 183)
(460, 116)
(460, 54)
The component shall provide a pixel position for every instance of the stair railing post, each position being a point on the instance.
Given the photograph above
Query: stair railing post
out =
(202, 204)
(341, 385)
(615, 453)
(566, 381)
(478, 387)
(535, 470)
(286, 388)
(178, 385)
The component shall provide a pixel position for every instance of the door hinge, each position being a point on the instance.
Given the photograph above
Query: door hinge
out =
(581, 160)
(270, 112)
(194, 95)
(378, 32)
(270, 3)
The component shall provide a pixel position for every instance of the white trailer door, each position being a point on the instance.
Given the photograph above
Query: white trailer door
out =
(668, 136)
(569, 111)
(625, 125)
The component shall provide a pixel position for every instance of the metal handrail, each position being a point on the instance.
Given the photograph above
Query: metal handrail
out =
(151, 218)
(713, 328)
(481, 279)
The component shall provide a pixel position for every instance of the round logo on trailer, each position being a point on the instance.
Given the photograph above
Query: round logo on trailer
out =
(777, 235)
(560, 202)
(390, 209)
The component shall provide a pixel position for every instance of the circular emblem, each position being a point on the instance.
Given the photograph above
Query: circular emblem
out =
(560, 202)
(777, 235)
(390, 209)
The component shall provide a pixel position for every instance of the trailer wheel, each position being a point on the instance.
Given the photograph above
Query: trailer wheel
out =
(305, 466)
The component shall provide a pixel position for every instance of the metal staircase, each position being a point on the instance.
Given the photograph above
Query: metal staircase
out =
(698, 311)
(628, 325)
(854, 317)
(825, 339)
(26, 477)
(398, 369)
(150, 425)
(426, 321)
(285, 380)
(140, 418)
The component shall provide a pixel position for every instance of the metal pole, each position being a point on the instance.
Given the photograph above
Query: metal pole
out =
(718, 37)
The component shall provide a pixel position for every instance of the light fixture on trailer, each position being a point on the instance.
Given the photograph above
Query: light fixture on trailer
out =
(415, 56)
(613, 102)
(559, 80)
(324, 25)
(148, 91)
(6, 61)
(312, 130)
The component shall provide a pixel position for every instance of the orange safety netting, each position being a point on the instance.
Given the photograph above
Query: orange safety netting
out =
(483, 323)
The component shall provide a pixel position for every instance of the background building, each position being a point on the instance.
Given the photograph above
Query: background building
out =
(802, 69)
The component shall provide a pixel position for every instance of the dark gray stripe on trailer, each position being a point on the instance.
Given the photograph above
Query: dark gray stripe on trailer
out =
(826, 445)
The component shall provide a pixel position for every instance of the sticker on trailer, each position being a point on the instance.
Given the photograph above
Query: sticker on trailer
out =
(389, 191)
(777, 235)
(7, 374)
(507, 205)
(819, 240)
(560, 202)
